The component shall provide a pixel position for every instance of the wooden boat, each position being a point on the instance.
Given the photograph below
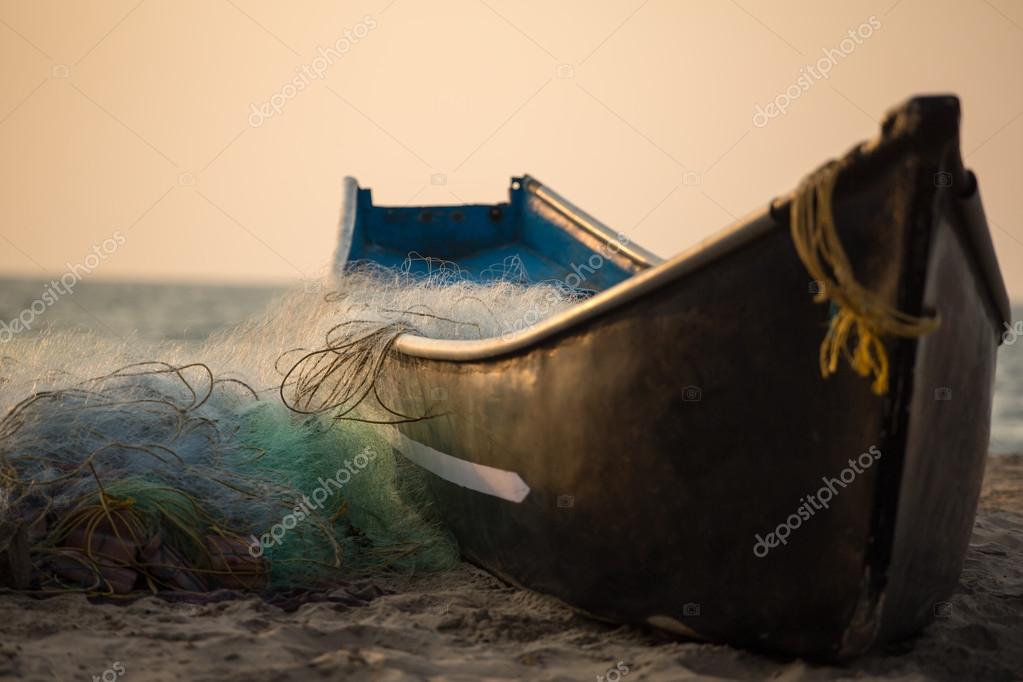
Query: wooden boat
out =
(638, 455)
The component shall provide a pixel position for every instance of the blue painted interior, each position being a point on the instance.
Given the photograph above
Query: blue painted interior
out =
(481, 239)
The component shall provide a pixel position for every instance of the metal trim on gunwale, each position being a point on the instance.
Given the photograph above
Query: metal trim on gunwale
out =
(634, 252)
(659, 273)
(346, 223)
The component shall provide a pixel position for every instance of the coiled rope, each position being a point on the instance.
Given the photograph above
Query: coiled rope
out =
(860, 310)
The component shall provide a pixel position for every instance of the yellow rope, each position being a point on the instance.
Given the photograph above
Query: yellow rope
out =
(859, 309)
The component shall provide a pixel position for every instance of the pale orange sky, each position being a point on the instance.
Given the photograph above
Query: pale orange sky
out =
(136, 117)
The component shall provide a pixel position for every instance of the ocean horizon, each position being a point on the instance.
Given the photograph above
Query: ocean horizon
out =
(188, 313)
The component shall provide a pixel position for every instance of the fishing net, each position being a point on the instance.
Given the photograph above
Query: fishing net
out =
(376, 305)
(235, 492)
(260, 466)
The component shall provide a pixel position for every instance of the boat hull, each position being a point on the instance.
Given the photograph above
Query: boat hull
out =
(661, 443)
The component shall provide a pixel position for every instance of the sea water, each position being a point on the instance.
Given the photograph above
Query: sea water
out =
(188, 313)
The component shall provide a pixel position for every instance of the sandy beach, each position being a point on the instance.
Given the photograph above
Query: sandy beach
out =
(466, 625)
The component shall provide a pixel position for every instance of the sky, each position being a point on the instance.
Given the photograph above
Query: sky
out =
(207, 140)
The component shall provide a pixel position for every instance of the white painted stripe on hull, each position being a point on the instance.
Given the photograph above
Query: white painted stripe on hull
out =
(506, 485)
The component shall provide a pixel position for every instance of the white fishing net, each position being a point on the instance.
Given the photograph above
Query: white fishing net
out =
(206, 445)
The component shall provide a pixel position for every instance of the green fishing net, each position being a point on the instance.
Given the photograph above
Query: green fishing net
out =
(160, 471)
(354, 493)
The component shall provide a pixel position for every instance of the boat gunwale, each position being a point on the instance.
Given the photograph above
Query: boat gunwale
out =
(732, 237)
(736, 235)
(658, 273)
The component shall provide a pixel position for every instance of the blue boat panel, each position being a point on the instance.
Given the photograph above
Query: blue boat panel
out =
(523, 240)
(583, 261)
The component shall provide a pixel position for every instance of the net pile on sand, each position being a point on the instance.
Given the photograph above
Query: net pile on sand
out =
(163, 477)
(253, 468)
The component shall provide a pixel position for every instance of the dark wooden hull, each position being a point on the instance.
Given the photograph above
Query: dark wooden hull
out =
(660, 438)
